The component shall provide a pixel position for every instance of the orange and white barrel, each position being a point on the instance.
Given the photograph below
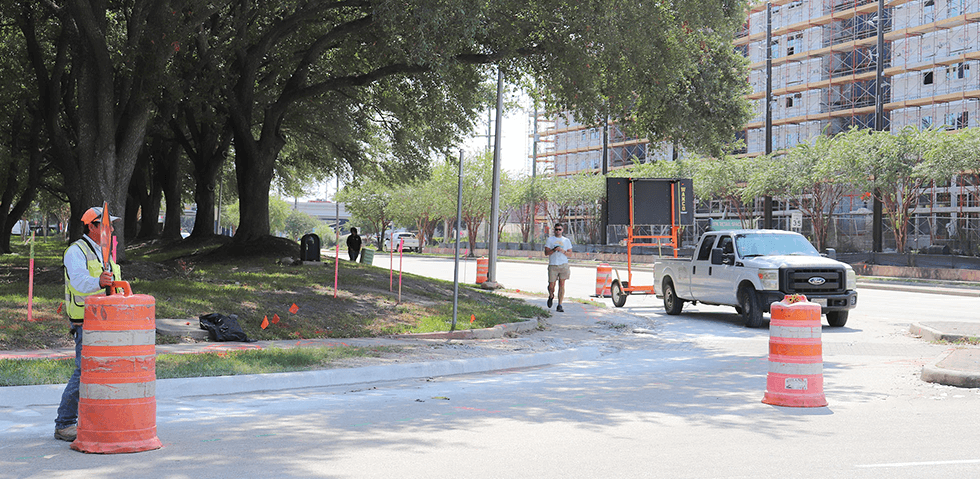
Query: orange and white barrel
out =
(603, 281)
(482, 270)
(795, 354)
(117, 409)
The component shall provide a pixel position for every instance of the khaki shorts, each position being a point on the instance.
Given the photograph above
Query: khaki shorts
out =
(558, 271)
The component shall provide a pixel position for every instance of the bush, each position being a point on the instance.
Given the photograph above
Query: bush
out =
(326, 234)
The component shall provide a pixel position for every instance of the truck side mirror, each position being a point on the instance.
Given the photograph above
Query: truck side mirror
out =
(831, 253)
(717, 256)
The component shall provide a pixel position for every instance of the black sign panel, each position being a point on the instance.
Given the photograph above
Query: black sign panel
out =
(651, 201)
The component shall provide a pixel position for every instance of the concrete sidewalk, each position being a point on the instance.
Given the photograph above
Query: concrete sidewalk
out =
(959, 366)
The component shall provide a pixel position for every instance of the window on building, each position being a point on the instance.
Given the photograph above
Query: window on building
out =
(795, 44)
(926, 122)
(954, 7)
(774, 48)
(958, 71)
(789, 102)
(963, 120)
(927, 78)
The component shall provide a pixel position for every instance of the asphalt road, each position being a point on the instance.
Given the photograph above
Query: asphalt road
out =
(681, 401)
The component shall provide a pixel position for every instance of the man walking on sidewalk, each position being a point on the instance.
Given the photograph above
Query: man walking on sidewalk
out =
(558, 271)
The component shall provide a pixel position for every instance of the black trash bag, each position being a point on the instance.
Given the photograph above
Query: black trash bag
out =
(223, 328)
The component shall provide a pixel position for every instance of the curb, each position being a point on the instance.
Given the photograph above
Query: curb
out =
(929, 331)
(209, 386)
(935, 373)
(906, 288)
(495, 332)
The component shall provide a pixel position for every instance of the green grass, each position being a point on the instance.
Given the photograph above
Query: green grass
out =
(17, 372)
(186, 283)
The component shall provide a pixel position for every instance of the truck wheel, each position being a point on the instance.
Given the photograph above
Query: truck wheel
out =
(748, 301)
(837, 319)
(618, 295)
(672, 304)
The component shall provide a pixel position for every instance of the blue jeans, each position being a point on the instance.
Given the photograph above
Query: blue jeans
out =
(68, 410)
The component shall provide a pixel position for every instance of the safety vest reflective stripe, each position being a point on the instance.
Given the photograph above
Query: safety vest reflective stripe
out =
(74, 299)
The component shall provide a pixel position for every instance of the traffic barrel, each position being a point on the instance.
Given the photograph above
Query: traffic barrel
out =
(117, 408)
(603, 281)
(795, 354)
(482, 270)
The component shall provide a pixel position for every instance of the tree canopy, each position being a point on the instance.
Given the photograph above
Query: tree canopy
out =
(365, 87)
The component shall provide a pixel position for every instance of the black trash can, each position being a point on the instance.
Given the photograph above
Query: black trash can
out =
(309, 248)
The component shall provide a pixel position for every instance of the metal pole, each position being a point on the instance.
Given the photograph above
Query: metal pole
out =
(767, 200)
(495, 188)
(459, 213)
(336, 235)
(534, 171)
(876, 233)
(604, 216)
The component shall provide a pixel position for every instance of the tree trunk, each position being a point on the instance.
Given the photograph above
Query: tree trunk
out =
(254, 169)
(169, 180)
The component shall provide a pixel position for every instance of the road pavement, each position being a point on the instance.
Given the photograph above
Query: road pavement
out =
(596, 391)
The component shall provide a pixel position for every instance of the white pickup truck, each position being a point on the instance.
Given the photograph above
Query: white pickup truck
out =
(751, 269)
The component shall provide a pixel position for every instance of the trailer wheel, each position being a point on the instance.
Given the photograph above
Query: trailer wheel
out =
(672, 304)
(618, 295)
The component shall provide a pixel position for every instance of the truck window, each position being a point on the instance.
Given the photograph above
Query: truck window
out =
(704, 253)
(726, 245)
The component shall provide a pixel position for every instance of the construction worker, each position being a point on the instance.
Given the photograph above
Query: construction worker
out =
(84, 276)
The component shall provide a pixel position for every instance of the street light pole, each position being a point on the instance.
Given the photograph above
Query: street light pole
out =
(876, 233)
(495, 188)
(767, 200)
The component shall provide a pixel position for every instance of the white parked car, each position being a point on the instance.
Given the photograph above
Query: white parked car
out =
(411, 242)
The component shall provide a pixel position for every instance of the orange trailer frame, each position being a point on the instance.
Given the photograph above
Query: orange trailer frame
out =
(634, 240)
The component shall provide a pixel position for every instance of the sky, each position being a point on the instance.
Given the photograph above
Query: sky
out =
(515, 147)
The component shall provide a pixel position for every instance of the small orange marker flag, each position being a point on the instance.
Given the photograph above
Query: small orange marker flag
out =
(293, 308)
(265, 322)
(275, 318)
(472, 318)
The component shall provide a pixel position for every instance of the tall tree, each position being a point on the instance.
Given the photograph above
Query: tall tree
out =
(96, 65)
(369, 202)
(405, 73)
(813, 177)
(888, 166)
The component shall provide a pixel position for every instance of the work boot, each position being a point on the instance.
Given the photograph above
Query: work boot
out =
(66, 434)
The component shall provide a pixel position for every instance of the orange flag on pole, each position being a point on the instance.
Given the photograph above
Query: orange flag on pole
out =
(293, 309)
(275, 318)
(265, 322)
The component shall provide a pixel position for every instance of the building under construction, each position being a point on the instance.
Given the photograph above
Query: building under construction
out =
(823, 56)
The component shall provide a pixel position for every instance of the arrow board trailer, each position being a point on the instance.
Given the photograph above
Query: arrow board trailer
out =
(647, 201)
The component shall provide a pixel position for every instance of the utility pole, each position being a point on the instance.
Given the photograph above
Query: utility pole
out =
(534, 171)
(605, 170)
(767, 200)
(876, 243)
(495, 188)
